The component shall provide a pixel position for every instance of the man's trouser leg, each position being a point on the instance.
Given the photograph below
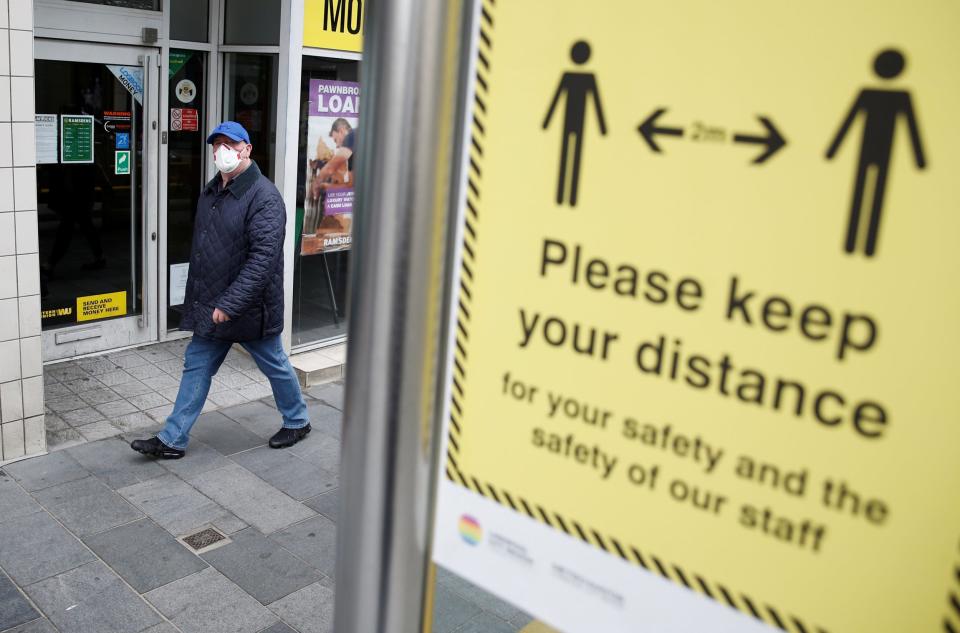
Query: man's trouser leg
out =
(201, 361)
(273, 362)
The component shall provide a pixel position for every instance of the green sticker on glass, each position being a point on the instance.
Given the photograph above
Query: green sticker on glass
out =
(76, 138)
(177, 61)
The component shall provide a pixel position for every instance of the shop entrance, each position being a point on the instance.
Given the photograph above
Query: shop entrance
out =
(97, 151)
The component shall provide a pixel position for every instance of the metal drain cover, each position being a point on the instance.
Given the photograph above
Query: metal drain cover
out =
(205, 539)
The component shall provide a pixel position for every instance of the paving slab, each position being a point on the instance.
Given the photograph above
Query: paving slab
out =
(279, 627)
(161, 628)
(136, 421)
(207, 602)
(250, 498)
(100, 395)
(80, 417)
(87, 506)
(258, 391)
(260, 567)
(97, 431)
(35, 547)
(313, 541)
(132, 388)
(200, 458)
(483, 599)
(114, 463)
(256, 417)
(450, 610)
(54, 422)
(65, 403)
(309, 610)
(148, 401)
(15, 609)
(325, 418)
(321, 449)
(486, 623)
(327, 504)
(112, 410)
(92, 598)
(49, 470)
(115, 377)
(59, 440)
(148, 370)
(330, 393)
(165, 381)
(144, 554)
(285, 471)
(56, 390)
(14, 502)
(41, 625)
(178, 507)
(223, 434)
(129, 361)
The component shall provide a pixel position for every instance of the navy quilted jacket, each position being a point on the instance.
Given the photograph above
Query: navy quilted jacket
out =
(236, 263)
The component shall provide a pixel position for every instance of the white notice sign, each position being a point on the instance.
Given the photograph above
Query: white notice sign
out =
(46, 136)
(178, 283)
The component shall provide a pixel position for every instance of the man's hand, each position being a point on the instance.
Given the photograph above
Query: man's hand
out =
(219, 316)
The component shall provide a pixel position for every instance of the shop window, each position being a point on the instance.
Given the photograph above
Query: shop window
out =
(252, 22)
(250, 98)
(190, 20)
(187, 151)
(329, 127)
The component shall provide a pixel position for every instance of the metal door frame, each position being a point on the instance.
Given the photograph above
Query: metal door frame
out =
(92, 337)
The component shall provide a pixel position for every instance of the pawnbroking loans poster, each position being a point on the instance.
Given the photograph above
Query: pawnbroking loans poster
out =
(331, 142)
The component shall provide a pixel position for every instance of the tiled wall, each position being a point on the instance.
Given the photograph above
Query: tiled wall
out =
(21, 367)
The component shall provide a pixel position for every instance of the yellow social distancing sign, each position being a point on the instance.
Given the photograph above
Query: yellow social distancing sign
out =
(706, 317)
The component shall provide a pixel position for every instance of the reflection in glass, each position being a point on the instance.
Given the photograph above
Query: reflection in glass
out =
(189, 20)
(185, 162)
(88, 212)
(252, 22)
(250, 98)
(320, 279)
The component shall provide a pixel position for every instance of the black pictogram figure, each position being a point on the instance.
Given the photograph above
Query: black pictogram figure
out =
(577, 87)
(882, 109)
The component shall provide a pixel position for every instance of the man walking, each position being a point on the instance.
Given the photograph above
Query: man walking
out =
(234, 293)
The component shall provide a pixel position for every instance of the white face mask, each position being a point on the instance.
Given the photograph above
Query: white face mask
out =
(226, 159)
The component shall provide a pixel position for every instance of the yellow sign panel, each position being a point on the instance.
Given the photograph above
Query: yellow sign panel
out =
(93, 307)
(334, 24)
(707, 308)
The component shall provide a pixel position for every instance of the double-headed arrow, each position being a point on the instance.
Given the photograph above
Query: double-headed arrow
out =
(773, 140)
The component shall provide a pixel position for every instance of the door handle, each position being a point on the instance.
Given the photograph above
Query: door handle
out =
(144, 320)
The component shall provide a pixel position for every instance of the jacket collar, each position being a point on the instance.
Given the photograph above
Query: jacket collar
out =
(239, 185)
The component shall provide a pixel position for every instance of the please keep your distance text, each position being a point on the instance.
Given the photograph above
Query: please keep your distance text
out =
(843, 333)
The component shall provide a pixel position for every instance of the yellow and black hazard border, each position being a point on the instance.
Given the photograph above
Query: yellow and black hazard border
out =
(472, 215)
(951, 621)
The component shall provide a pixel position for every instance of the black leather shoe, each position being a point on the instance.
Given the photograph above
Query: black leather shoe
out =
(156, 448)
(288, 437)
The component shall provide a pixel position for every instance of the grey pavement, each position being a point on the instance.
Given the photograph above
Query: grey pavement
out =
(89, 533)
(89, 399)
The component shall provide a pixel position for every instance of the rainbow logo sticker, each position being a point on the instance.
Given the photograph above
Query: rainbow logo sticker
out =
(470, 530)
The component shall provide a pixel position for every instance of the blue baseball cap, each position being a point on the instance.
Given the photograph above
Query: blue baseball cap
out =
(230, 129)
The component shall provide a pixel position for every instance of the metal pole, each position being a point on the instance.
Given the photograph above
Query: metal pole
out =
(407, 136)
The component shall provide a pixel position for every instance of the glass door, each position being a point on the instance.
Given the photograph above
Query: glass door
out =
(97, 142)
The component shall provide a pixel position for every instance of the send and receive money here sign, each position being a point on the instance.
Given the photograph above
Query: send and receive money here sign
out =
(703, 352)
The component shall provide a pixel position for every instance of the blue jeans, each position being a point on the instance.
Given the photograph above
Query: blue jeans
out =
(202, 360)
